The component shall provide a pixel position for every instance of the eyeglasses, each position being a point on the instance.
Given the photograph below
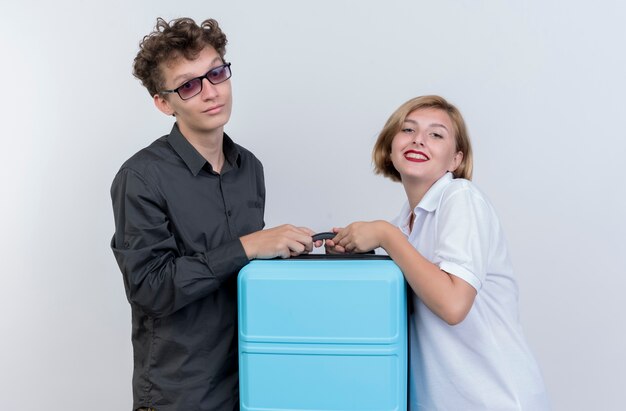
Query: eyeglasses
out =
(193, 87)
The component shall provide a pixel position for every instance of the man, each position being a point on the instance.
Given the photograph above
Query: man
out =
(188, 216)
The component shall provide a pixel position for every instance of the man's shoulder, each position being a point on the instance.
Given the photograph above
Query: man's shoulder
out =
(154, 154)
(146, 165)
(247, 156)
(245, 152)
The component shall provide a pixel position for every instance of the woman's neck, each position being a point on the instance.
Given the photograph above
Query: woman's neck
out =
(415, 191)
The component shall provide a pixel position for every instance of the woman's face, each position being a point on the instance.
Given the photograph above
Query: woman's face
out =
(425, 147)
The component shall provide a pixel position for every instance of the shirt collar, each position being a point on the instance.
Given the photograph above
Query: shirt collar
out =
(402, 220)
(193, 159)
(430, 201)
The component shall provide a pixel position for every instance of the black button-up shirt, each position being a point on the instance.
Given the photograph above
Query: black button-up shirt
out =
(177, 229)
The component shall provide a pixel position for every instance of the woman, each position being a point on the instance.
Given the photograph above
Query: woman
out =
(467, 349)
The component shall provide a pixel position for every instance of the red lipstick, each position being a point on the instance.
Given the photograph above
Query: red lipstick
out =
(416, 156)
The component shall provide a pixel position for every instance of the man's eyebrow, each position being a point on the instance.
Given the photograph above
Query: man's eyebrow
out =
(189, 76)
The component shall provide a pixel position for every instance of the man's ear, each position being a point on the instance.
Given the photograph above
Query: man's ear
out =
(163, 105)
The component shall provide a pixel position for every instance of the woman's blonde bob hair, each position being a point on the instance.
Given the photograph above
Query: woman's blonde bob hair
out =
(381, 154)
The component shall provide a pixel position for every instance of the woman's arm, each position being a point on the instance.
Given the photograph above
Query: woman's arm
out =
(446, 295)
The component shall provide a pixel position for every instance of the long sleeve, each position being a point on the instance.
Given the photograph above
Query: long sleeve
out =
(158, 276)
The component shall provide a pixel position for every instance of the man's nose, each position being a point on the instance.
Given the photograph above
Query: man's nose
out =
(208, 89)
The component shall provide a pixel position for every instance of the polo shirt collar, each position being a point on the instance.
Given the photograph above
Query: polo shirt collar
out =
(193, 159)
(430, 201)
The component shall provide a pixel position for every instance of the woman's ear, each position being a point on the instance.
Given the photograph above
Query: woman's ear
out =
(456, 161)
(163, 105)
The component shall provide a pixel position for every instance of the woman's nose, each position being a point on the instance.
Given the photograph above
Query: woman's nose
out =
(418, 139)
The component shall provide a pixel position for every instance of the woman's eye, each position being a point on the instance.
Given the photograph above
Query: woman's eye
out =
(407, 130)
(436, 135)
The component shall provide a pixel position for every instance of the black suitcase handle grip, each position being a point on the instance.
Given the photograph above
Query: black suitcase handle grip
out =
(326, 235)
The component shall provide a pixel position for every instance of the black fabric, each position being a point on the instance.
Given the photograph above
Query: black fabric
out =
(176, 241)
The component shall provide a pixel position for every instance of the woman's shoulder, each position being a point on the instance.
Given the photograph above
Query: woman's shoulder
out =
(462, 188)
(459, 185)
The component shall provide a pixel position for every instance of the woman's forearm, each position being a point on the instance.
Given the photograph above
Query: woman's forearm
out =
(446, 295)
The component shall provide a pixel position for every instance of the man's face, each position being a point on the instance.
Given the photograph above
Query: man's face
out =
(206, 112)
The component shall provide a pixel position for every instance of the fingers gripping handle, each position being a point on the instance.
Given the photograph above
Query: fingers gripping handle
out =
(327, 235)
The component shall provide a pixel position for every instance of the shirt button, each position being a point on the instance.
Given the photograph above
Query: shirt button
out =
(230, 213)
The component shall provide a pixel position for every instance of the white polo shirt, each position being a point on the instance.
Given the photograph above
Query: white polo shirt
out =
(483, 363)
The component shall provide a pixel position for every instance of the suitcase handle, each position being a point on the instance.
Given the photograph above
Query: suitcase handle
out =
(326, 235)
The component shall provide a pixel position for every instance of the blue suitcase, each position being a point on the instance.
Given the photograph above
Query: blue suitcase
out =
(322, 332)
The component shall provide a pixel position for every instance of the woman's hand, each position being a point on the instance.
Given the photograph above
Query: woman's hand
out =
(332, 247)
(358, 237)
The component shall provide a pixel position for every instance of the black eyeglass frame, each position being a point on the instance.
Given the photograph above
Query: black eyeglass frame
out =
(205, 76)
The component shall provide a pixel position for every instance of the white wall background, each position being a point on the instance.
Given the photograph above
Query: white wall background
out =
(541, 84)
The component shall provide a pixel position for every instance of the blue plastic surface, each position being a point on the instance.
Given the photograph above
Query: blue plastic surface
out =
(322, 335)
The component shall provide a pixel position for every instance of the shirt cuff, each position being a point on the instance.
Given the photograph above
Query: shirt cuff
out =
(461, 272)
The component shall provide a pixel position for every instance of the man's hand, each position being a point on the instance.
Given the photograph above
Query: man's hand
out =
(283, 241)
